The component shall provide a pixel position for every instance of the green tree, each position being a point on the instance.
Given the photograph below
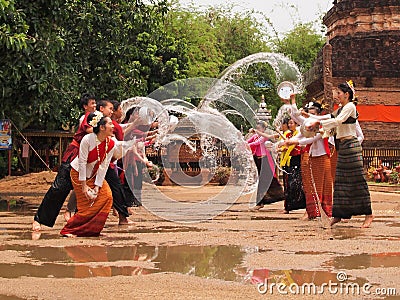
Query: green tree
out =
(13, 28)
(239, 34)
(215, 37)
(301, 44)
(113, 48)
(193, 28)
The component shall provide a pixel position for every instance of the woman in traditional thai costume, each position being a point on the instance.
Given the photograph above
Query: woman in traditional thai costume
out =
(94, 197)
(316, 165)
(351, 195)
(291, 163)
(269, 189)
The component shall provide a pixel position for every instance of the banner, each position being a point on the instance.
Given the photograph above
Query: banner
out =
(378, 113)
(5, 135)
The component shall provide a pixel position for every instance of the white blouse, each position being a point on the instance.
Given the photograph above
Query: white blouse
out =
(89, 143)
(317, 143)
(299, 119)
(342, 130)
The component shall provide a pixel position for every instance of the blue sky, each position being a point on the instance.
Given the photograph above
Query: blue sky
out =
(281, 13)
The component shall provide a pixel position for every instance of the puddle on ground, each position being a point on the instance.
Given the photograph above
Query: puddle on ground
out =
(219, 262)
(387, 238)
(29, 235)
(266, 218)
(364, 261)
(312, 252)
(6, 297)
(288, 277)
(160, 229)
(346, 233)
(17, 234)
(17, 206)
(69, 262)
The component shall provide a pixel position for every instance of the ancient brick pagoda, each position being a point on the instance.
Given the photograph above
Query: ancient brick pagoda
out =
(363, 44)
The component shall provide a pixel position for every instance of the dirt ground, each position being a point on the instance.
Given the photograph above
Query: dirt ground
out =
(226, 257)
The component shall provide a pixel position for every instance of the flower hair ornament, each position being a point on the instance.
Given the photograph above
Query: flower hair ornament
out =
(314, 104)
(309, 105)
(96, 119)
(351, 86)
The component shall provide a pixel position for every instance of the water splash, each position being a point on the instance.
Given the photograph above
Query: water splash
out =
(217, 98)
(284, 68)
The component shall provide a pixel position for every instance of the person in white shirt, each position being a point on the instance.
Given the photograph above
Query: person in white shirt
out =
(89, 168)
(316, 165)
(351, 195)
(88, 104)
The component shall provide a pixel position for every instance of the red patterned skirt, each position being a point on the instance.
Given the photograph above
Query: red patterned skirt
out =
(319, 169)
(89, 220)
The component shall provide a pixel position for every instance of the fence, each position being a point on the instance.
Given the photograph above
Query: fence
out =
(389, 157)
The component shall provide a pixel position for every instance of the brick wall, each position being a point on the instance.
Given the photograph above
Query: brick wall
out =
(347, 17)
(368, 55)
(381, 135)
(365, 40)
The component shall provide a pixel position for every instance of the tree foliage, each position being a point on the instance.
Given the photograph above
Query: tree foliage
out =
(51, 51)
(115, 49)
(216, 37)
(301, 44)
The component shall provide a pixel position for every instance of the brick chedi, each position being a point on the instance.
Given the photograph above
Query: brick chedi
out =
(363, 44)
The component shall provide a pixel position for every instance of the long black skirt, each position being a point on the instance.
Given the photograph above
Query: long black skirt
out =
(351, 195)
(269, 189)
(294, 193)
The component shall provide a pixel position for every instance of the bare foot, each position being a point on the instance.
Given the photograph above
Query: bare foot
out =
(256, 207)
(335, 220)
(69, 235)
(36, 226)
(285, 211)
(367, 221)
(115, 213)
(305, 217)
(131, 211)
(36, 235)
(124, 221)
(67, 215)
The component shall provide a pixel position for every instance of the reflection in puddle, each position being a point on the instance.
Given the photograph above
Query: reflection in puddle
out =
(220, 262)
(387, 238)
(17, 234)
(160, 229)
(5, 297)
(28, 235)
(288, 277)
(16, 206)
(364, 261)
(312, 252)
(69, 262)
(269, 218)
(346, 233)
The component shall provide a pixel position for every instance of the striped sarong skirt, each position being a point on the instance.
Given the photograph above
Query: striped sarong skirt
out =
(318, 186)
(351, 195)
(90, 219)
